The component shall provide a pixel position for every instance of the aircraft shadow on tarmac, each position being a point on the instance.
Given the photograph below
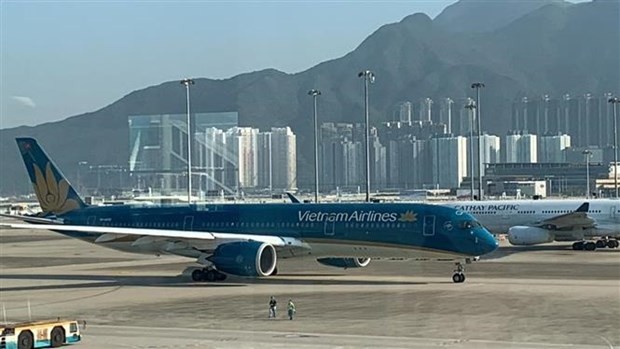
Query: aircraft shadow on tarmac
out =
(289, 280)
(98, 281)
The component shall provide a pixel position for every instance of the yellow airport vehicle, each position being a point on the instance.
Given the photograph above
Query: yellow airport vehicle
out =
(39, 334)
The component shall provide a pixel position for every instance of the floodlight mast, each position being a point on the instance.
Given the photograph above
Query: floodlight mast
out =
(369, 78)
(187, 82)
(315, 94)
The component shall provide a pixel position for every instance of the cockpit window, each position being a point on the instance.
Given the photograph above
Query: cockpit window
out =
(469, 224)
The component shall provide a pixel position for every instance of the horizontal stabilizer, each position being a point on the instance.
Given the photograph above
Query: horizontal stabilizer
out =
(31, 219)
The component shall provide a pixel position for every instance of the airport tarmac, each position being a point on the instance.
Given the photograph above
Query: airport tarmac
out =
(542, 297)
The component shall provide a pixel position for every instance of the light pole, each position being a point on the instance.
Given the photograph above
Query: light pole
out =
(471, 106)
(315, 94)
(369, 78)
(478, 86)
(587, 154)
(187, 82)
(614, 102)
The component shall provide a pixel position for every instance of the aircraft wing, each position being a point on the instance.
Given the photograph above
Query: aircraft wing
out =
(194, 238)
(29, 219)
(568, 221)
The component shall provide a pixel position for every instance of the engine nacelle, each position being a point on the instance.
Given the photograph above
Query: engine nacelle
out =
(520, 235)
(344, 262)
(245, 258)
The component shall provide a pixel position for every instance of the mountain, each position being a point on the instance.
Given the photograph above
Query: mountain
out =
(477, 16)
(554, 49)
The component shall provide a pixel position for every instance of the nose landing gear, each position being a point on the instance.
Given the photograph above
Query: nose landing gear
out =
(459, 273)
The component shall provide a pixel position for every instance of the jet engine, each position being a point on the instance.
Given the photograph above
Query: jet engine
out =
(245, 258)
(345, 262)
(520, 235)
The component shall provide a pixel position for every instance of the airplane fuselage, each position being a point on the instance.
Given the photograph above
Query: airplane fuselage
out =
(500, 215)
(351, 230)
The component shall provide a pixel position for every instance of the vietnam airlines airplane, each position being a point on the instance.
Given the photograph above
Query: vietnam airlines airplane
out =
(531, 222)
(249, 239)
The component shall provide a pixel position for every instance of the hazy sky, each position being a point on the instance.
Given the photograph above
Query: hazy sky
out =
(63, 58)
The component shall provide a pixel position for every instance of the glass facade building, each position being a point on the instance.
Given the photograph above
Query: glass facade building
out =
(158, 153)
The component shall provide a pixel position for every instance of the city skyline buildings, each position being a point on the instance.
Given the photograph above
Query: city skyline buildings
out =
(402, 153)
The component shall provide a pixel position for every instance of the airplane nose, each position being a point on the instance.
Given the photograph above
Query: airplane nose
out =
(486, 242)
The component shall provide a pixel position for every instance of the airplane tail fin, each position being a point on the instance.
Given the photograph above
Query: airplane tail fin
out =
(293, 198)
(585, 207)
(55, 194)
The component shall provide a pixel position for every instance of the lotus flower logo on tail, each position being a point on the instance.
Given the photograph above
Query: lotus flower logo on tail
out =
(52, 194)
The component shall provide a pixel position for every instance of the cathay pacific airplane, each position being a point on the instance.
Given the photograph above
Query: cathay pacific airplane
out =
(531, 222)
(249, 239)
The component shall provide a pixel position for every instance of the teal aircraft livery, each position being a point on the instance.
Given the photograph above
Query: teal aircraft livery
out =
(249, 239)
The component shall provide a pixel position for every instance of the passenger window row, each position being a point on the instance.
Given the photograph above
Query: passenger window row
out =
(109, 223)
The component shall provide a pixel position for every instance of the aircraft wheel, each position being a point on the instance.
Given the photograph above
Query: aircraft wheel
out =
(578, 246)
(221, 276)
(590, 246)
(211, 275)
(458, 278)
(198, 275)
(601, 243)
(612, 243)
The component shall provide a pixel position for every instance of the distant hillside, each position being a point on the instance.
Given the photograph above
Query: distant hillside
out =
(554, 49)
(477, 16)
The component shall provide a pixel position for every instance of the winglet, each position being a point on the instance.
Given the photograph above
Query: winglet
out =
(585, 207)
(292, 197)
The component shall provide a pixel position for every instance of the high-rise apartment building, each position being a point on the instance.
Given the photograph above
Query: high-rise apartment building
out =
(378, 162)
(405, 111)
(449, 161)
(265, 160)
(426, 106)
(520, 147)
(408, 162)
(587, 118)
(284, 158)
(551, 148)
(489, 152)
(242, 142)
(464, 118)
(445, 113)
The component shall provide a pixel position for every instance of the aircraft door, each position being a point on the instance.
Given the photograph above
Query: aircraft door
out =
(188, 223)
(613, 213)
(329, 228)
(429, 226)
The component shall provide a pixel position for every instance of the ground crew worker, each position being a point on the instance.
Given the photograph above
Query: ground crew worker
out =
(291, 309)
(272, 307)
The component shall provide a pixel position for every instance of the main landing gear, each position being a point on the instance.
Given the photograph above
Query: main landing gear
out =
(207, 274)
(593, 245)
(459, 273)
